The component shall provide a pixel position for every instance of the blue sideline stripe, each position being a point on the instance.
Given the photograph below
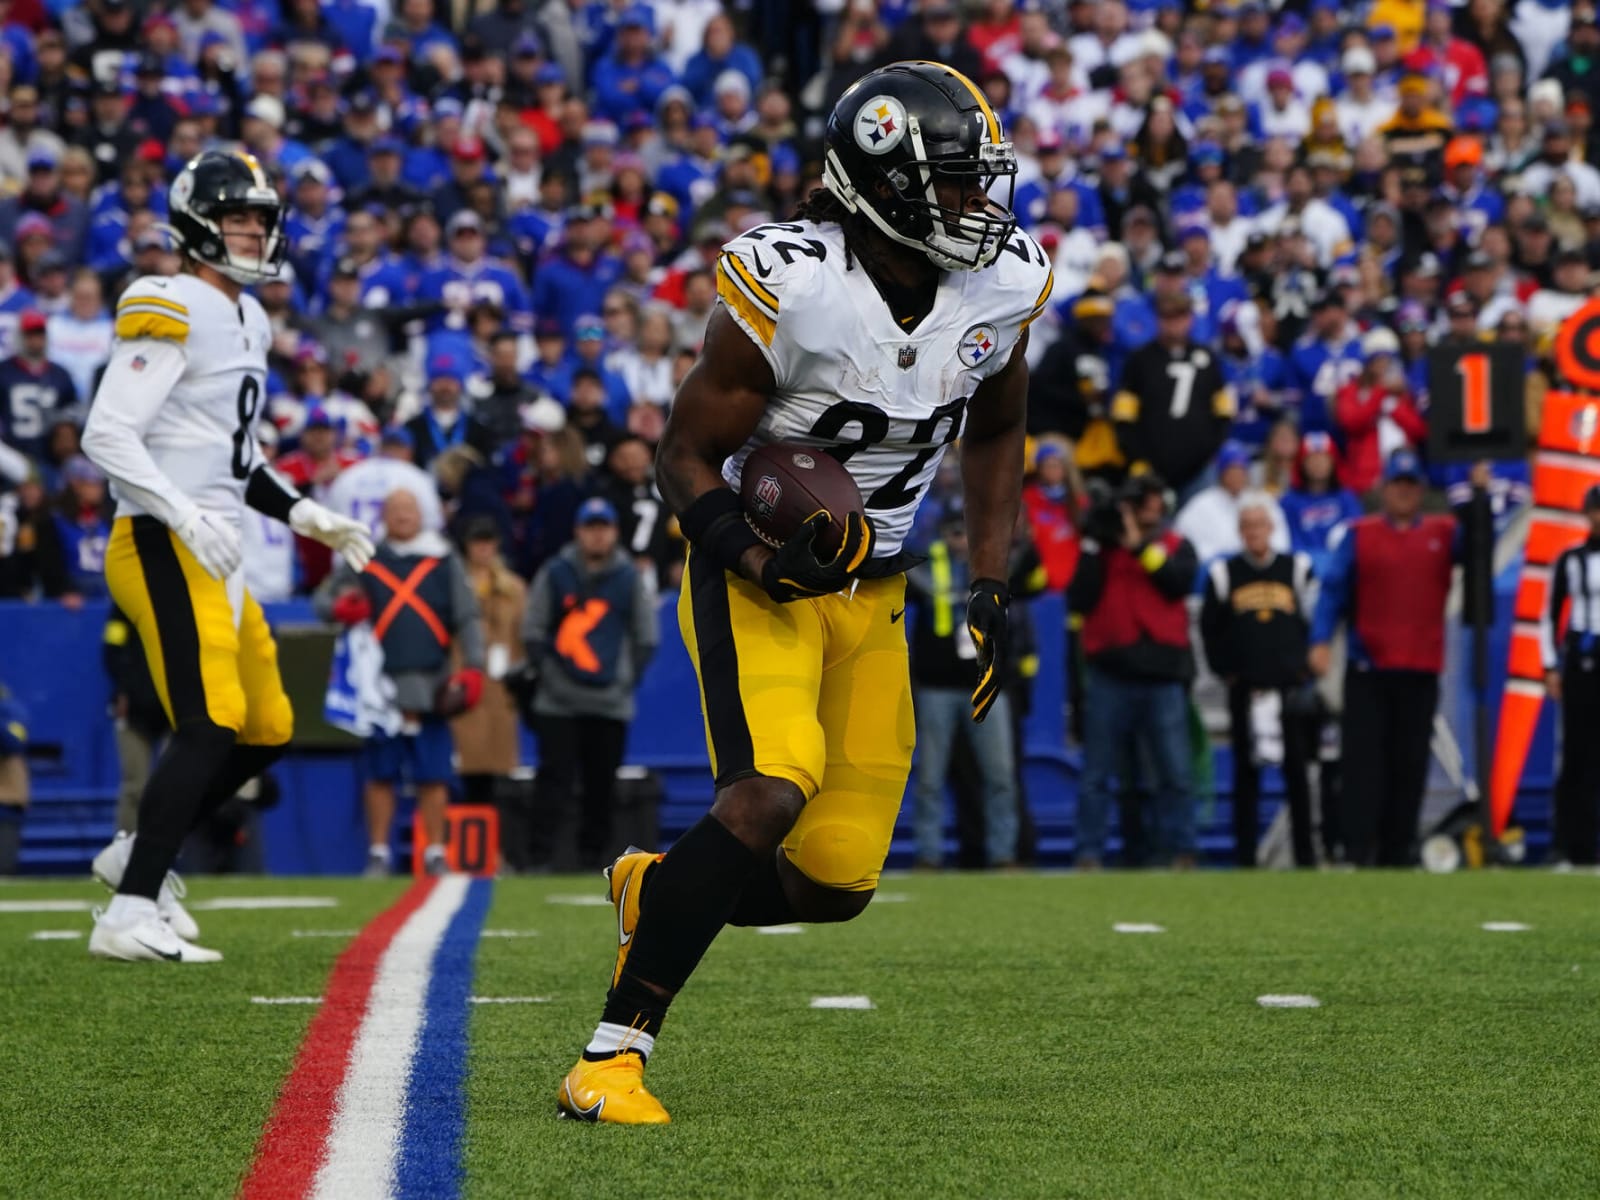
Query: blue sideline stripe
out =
(436, 1101)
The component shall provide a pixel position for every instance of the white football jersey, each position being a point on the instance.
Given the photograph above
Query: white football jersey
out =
(268, 557)
(884, 402)
(358, 492)
(202, 436)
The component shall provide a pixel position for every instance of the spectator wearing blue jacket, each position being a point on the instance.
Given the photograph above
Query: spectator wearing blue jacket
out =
(1318, 506)
(83, 526)
(1323, 360)
(347, 157)
(629, 79)
(691, 178)
(720, 52)
(468, 277)
(575, 280)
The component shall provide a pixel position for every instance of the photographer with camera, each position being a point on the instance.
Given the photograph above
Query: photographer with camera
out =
(1128, 593)
(1256, 624)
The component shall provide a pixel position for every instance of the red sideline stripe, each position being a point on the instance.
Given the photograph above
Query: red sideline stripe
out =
(295, 1137)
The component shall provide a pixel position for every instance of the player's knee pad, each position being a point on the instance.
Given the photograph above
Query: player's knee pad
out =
(837, 855)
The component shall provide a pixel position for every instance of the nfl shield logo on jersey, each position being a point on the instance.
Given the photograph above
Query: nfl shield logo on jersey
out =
(978, 343)
(768, 493)
(908, 357)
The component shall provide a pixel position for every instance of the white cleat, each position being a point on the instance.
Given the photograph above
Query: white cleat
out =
(111, 862)
(144, 939)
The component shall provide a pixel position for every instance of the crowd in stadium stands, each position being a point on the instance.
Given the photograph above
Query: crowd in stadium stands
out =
(504, 219)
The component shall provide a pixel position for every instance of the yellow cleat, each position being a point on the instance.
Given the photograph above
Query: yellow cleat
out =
(626, 877)
(611, 1090)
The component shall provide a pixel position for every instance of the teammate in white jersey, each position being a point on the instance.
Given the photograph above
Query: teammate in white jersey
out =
(887, 321)
(173, 426)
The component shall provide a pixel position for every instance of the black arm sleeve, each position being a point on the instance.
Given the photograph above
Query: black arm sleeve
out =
(1088, 581)
(268, 493)
(1175, 577)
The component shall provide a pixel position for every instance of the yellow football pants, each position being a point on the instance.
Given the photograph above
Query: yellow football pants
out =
(209, 661)
(817, 692)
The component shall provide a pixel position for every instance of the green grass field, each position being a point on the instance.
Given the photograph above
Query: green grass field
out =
(1018, 1045)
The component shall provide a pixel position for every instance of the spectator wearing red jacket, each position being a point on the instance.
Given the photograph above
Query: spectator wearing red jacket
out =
(311, 468)
(1388, 581)
(1375, 412)
(1052, 510)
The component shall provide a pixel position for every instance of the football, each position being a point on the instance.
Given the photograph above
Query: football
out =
(785, 483)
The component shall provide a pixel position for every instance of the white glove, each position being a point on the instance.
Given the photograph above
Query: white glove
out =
(213, 542)
(349, 538)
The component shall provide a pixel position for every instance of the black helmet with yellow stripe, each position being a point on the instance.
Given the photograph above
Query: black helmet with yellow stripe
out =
(208, 188)
(895, 132)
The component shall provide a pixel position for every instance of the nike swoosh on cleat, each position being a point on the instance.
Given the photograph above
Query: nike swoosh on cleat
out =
(592, 1113)
(623, 936)
(895, 614)
(174, 956)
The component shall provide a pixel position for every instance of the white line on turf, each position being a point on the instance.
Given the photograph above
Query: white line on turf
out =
(842, 1002)
(364, 1140)
(1506, 927)
(1136, 927)
(319, 933)
(509, 933)
(890, 897)
(780, 929)
(44, 906)
(55, 935)
(580, 901)
(220, 903)
(508, 999)
(285, 999)
(1289, 1001)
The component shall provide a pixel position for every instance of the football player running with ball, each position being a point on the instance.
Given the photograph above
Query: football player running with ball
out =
(173, 427)
(885, 323)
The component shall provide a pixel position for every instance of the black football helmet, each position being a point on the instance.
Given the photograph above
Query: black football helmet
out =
(904, 126)
(216, 183)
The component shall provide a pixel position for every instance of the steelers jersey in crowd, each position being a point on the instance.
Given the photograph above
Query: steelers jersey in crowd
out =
(888, 402)
(182, 338)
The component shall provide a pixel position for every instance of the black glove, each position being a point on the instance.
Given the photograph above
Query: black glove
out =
(796, 573)
(986, 621)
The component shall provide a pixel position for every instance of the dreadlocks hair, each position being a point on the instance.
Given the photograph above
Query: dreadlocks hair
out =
(822, 205)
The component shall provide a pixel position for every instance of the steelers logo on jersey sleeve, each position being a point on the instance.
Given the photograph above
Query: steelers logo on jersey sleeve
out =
(978, 344)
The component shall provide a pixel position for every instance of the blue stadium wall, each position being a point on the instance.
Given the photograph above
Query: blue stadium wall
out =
(51, 661)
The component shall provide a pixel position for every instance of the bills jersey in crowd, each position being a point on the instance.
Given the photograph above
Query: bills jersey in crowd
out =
(30, 397)
(885, 403)
(360, 490)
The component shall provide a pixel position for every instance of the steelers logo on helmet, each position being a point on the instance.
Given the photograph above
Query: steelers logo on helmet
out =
(880, 125)
(212, 186)
(977, 344)
(917, 151)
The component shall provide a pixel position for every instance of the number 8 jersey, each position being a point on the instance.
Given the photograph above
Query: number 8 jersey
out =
(187, 372)
(885, 402)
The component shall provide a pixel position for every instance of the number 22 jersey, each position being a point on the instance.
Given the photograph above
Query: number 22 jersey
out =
(886, 403)
(202, 435)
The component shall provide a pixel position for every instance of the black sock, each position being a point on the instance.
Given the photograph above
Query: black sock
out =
(172, 798)
(244, 764)
(763, 901)
(693, 890)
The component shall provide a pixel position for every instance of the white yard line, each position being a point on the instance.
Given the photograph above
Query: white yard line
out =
(856, 1002)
